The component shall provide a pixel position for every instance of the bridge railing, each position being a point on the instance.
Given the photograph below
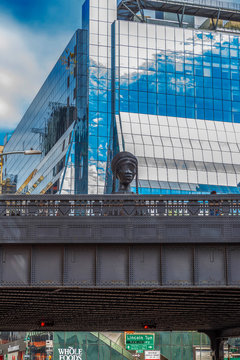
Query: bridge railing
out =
(120, 205)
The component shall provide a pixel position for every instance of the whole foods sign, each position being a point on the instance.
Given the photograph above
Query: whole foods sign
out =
(70, 354)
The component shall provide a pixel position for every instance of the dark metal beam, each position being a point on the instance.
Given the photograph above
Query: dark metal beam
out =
(227, 333)
(131, 11)
(118, 309)
(122, 229)
(140, 10)
(134, 266)
(180, 18)
(215, 25)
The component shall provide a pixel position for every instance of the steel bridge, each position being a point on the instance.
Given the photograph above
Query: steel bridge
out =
(120, 262)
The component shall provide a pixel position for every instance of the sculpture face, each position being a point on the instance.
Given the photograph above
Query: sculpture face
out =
(124, 168)
(126, 172)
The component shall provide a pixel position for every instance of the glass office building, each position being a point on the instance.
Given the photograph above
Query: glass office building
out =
(50, 126)
(159, 82)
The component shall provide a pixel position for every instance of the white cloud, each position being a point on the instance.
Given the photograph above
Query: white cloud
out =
(26, 58)
(3, 108)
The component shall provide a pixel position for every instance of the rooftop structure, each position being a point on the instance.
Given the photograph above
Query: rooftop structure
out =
(159, 79)
(205, 8)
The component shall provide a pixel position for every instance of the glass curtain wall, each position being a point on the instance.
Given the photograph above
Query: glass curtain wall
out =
(162, 70)
(48, 125)
(178, 89)
(98, 16)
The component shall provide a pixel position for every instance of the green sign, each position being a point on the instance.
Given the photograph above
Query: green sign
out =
(139, 342)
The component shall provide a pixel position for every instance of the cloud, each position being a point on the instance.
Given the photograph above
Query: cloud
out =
(26, 58)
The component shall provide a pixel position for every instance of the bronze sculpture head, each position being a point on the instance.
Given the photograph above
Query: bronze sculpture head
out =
(124, 168)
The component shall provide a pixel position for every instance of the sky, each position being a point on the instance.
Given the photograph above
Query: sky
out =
(33, 33)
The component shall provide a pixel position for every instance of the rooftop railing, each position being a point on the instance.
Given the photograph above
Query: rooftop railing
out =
(120, 205)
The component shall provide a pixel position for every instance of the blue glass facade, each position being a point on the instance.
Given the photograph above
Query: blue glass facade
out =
(98, 17)
(176, 94)
(169, 94)
(177, 72)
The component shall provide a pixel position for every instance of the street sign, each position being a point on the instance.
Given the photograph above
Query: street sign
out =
(139, 341)
(152, 355)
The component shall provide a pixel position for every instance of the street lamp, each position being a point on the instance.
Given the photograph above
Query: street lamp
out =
(24, 152)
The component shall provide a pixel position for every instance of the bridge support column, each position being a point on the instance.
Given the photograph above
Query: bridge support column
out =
(217, 345)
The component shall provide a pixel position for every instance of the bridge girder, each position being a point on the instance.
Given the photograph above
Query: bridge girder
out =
(119, 262)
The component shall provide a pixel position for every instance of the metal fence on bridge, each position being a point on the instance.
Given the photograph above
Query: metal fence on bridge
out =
(121, 205)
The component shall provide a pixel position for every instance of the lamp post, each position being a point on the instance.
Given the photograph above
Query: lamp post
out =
(24, 152)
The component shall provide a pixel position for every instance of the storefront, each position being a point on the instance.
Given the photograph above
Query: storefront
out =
(87, 346)
(111, 346)
(105, 346)
(14, 350)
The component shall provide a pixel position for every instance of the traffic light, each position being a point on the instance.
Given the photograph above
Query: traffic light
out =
(47, 323)
(149, 325)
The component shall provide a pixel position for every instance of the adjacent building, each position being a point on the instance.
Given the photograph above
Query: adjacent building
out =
(158, 78)
(111, 346)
